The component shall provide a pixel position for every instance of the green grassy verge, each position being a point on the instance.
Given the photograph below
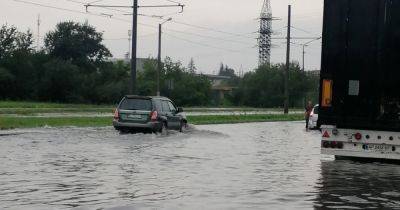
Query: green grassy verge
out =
(33, 122)
(32, 111)
(237, 109)
(31, 108)
(42, 105)
(230, 119)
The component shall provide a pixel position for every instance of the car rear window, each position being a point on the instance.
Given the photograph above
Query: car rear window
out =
(136, 104)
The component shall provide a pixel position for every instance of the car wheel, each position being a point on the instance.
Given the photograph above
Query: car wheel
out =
(182, 126)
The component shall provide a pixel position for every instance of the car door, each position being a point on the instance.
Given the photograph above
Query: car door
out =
(170, 114)
(175, 118)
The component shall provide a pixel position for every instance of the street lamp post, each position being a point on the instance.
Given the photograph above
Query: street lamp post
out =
(159, 64)
(306, 45)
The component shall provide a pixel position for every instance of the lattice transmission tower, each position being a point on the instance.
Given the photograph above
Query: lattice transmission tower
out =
(264, 39)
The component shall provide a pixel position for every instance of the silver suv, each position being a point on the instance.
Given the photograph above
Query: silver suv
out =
(148, 114)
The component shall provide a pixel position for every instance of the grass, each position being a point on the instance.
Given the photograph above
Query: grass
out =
(230, 119)
(42, 105)
(31, 108)
(33, 122)
(32, 111)
(238, 109)
(28, 109)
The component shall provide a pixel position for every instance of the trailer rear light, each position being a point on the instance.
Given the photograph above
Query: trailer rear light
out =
(327, 89)
(326, 135)
(358, 136)
(116, 114)
(154, 116)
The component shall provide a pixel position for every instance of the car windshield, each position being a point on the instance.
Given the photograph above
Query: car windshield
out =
(136, 104)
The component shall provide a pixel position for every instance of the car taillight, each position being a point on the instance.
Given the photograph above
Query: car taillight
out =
(116, 114)
(358, 136)
(154, 116)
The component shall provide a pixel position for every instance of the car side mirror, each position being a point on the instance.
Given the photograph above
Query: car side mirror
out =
(180, 109)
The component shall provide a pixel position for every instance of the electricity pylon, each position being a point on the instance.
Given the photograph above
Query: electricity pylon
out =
(264, 40)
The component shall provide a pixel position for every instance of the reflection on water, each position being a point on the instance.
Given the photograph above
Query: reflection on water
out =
(243, 166)
(348, 184)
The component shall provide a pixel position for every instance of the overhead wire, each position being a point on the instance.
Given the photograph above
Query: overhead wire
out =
(210, 37)
(201, 44)
(207, 28)
(119, 19)
(171, 30)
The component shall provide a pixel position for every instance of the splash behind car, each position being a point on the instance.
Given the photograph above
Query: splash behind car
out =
(148, 114)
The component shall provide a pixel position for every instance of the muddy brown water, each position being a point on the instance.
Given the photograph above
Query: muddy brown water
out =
(242, 166)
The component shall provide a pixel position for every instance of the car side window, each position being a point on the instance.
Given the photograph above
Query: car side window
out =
(158, 105)
(172, 107)
(165, 106)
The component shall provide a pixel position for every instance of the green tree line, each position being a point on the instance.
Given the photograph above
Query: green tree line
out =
(73, 67)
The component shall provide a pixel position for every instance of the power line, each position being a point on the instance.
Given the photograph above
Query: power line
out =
(210, 37)
(209, 29)
(202, 27)
(305, 31)
(68, 10)
(154, 27)
(125, 38)
(202, 44)
(173, 1)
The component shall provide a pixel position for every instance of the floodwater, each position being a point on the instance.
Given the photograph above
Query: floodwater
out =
(242, 166)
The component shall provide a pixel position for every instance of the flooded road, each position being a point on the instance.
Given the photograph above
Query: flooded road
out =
(242, 166)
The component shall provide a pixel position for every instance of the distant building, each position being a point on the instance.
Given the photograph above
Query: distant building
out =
(219, 86)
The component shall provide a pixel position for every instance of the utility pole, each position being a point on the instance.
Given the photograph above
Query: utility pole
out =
(129, 46)
(286, 106)
(304, 52)
(159, 59)
(159, 63)
(134, 46)
(38, 33)
(135, 7)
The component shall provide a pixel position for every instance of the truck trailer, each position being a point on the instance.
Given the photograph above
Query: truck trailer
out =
(360, 79)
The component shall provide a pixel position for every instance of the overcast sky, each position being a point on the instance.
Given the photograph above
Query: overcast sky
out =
(237, 19)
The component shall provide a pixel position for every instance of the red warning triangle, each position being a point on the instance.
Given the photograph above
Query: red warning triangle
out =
(326, 135)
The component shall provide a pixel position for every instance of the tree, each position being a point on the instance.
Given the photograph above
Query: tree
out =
(226, 71)
(264, 87)
(76, 41)
(11, 41)
(60, 82)
(7, 81)
(191, 66)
